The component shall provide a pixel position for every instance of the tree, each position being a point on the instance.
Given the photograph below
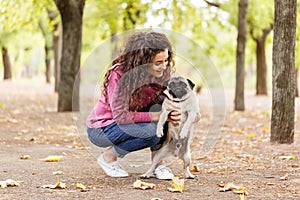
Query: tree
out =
(48, 46)
(283, 72)
(71, 13)
(261, 64)
(260, 22)
(239, 103)
(56, 37)
(6, 64)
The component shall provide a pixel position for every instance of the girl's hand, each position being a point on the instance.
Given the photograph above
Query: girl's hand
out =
(174, 117)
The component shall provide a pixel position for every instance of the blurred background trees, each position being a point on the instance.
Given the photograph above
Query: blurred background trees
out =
(32, 44)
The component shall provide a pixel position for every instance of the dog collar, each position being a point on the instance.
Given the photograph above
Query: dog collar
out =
(179, 100)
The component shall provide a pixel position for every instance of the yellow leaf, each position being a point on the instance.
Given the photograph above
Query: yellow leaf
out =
(287, 157)
(52, 159)
(80, 186)
(58, 185)
(138, 184)
(250, 135)
(234, 188)
(238, 131)
(265, 130)
(195, 168)
(242, 197)
(178, 185)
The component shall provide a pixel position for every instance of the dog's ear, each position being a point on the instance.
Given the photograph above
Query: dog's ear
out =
(191, 84)
(165, 85)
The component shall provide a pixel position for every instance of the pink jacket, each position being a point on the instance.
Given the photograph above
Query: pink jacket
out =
(102, 113)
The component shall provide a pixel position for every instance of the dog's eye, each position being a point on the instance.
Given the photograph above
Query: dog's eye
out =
(172, 85)
(182, 84)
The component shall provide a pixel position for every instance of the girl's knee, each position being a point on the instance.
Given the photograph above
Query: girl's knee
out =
(151, 141)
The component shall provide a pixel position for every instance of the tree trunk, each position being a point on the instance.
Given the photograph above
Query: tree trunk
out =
(68, 93)
(239, 103)
(57, 40)
(283, 72)
(6, 64)
(48, 63)
(261, 68)
(48, 48)
(297, 88)
(57, 46)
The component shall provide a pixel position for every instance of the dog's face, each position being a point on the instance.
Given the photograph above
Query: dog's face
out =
(178, 87)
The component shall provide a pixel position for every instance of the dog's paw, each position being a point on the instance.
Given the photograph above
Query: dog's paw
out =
(183, 134)
(146, 176)
(160, 133)
(189, 175)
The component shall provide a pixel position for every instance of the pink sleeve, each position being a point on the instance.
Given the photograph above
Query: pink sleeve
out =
(121, 113)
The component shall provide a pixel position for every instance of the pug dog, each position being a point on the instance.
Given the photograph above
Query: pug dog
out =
(180, 97)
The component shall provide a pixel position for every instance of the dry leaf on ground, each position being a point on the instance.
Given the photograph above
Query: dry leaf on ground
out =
(79, 147)
(58, 185)
(178, 185)
(138, 184)
(8, 183)
(234, 188)
(57, 172)
(80, 186)
(52, 159)
(287, 157)
(195, 168)
(24, 157)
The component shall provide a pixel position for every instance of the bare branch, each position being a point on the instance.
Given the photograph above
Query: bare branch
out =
(212, 4)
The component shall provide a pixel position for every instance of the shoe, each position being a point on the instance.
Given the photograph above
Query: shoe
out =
(113, 169)
(163, 173)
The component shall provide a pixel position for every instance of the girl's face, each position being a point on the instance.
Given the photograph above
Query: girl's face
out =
(159, 64)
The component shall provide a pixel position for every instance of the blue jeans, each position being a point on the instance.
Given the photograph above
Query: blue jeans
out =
(126, 138)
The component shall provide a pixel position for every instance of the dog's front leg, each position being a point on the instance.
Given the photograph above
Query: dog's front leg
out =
(160, 125)
(188, 123)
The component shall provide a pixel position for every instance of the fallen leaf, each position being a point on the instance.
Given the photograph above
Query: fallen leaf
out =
(238, 131)
(266, 130)
(287, 157)
(52, 159)
(80, 186)
(58, 185)
(79, 147)
(8, 183)
(178, 185)
(33, 139)
(138, 184)
(269, 183)
(285, 177)
(13, 121)
(250, 135)
(24, 157)
(57, 173)
(195, 168)
(242, 196)
(234, 188)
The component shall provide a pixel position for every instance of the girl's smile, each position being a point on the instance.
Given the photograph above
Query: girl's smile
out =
(159, 64)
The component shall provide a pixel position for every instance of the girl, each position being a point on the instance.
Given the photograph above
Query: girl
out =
(125, 117)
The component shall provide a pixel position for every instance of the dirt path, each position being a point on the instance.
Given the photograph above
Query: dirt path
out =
(30, 125)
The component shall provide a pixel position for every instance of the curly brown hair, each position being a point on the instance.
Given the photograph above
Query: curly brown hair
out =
(136, 58)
